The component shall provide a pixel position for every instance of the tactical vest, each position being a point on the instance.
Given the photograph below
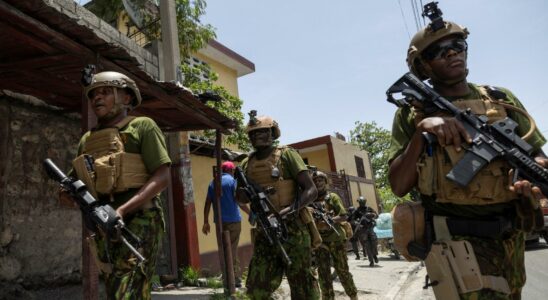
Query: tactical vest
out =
(489, 186)
(268, 173)
(105, 167)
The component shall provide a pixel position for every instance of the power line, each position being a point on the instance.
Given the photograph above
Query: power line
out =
(423, 17)
(404, 21)
(415, 14)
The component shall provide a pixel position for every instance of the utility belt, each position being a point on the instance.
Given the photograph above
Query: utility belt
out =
(499, 227)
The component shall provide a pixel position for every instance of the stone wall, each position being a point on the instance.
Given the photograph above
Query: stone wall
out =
(40, 241)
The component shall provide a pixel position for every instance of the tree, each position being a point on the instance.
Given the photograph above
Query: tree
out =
(376, 141)
(193, 36)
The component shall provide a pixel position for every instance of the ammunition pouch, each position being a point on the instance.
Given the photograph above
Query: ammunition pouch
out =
(347, 227)
(489, 185)
(453, 269)
(408, 225)
(306, 218)
(113, 173)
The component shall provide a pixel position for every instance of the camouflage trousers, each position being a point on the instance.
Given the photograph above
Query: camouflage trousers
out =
(334, 252)
(128, 280)
(499, 257)
(267, 266)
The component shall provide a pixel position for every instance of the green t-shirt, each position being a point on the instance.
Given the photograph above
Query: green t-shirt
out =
(403, 128)
(291, 163)
(143, 136)
(333, 204)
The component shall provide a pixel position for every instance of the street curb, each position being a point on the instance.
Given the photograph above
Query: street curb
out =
(393, 292)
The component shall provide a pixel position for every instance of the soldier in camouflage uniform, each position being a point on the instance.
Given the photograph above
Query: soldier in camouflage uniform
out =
(488, 213)
(332, 251)
(140, 143)
(283, 171)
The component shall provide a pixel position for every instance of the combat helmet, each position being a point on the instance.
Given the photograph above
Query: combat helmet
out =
(436, 30)
(321, 174)
(361, 201)
(262, 122)
(114, 79)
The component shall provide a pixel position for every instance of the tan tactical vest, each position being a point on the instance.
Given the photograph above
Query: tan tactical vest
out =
(113, 170)
(489, 186)
(262, 171)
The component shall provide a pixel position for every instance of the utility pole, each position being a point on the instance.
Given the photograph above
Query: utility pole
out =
(185, 218)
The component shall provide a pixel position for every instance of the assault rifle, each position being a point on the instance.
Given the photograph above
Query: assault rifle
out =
(98, 218)
(268, 219)
(319, 213)
(489, 141)
(368, 218)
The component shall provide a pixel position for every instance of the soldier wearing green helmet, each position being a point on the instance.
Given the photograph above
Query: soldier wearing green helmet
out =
(484, 222)
(332, 251)
(124, 162)
(281, 171)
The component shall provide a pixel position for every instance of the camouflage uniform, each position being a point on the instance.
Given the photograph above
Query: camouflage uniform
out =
(498, 256)
(333, 250)
(485, 212)
(127, 280)
(267, 266)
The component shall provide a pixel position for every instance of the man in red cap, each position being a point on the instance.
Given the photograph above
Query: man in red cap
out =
(230, 212)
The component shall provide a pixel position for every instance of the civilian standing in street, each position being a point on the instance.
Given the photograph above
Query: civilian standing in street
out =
(230, 212)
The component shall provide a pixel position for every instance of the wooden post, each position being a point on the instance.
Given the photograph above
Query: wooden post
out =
(90, 273)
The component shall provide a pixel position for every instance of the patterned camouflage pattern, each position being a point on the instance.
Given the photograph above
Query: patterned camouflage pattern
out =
(267, 266)
(129, 280)
(499, 257)
(334, 252)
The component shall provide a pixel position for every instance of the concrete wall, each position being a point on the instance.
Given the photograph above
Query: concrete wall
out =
(202, 175)
(228, 78)
(40, 242)
(318, 158)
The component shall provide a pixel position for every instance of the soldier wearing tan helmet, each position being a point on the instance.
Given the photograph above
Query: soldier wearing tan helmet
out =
(280, 170)
(124, 162)
(332, 251)
(487, 215)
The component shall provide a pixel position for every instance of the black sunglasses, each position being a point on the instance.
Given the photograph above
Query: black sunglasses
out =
(440, 50)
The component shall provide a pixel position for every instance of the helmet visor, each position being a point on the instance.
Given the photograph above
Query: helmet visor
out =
(439, 50)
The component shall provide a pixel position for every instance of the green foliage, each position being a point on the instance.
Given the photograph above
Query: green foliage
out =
(230, 106)
(193, 36)
(389, 200)
(376, 141)
(155, 279)
(214, 283)
(188, 275)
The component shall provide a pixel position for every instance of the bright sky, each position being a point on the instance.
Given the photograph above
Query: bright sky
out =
(322, 65)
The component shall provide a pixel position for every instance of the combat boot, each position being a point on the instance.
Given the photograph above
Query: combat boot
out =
(357, 257)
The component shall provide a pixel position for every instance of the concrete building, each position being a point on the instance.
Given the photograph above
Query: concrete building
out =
(348, 167)
(229, 66)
